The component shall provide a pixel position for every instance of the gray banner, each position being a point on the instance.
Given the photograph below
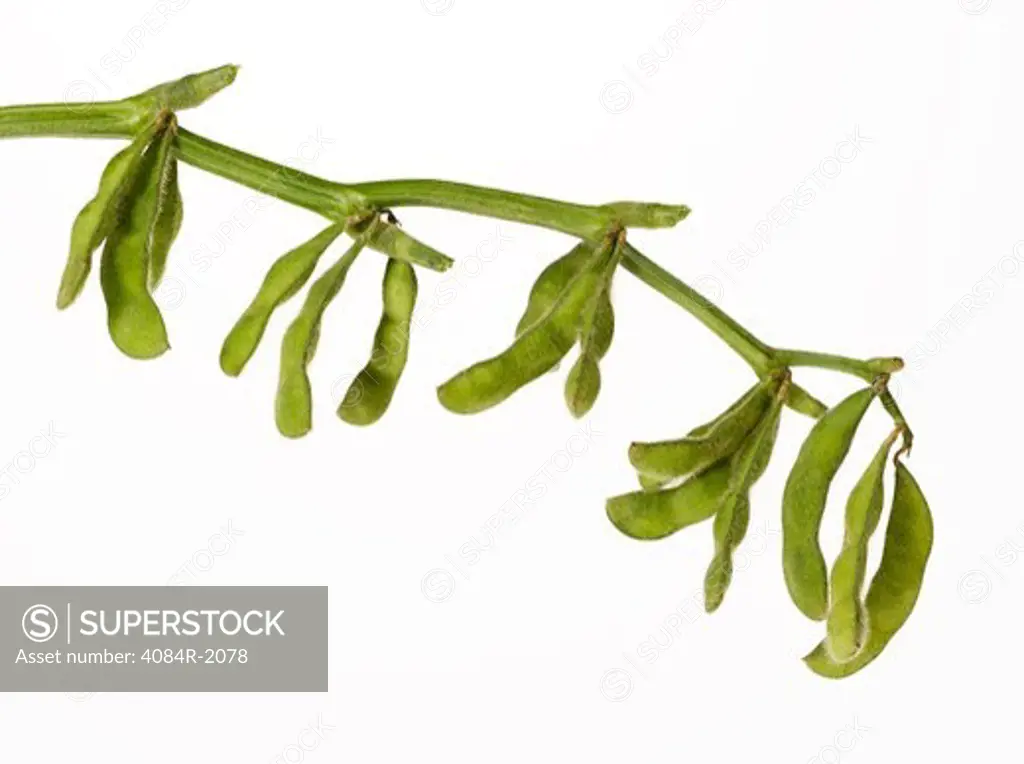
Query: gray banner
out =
(163, 639)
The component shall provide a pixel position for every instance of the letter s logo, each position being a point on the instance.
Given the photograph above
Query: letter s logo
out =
(39, 623)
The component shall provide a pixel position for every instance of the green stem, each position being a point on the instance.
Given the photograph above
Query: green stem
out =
(867, 370)
(337, 201)
(61, 120)
(573, 219)
(113, 119)
(332, 200)
(580, 220)
(893, 408)
(762, 358)
(751, 349)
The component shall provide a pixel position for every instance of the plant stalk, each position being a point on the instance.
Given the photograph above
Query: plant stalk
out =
(751, 349)
(333, 201)
(62, 120)
(337, 201)
(867, 370)
(583, 221)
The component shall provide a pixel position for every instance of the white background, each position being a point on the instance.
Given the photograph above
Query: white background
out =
(726, 106)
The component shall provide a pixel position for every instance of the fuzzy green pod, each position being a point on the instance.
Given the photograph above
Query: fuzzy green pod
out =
(532, 354)
(582, 385)
(747, 466)
(168, 223)
(597, 327)
(665, 460)
(145, 231)
(603, 331)
(370, 393)
(804, 499)
(284, 279)
(655, 483)
(551, 282)
(294, 403)
(101, 214)
(651, 515)
(895, 588)
(804, 403)
(847, 625)
(389, 239)
(731, 523)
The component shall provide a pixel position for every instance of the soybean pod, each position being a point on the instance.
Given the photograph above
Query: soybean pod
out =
(603, 331)
(392, 241)
(101, 214)
(168, 223)
(284, 279)
(847, 625)
(551, 282)
(731, 523)
(294, 404)
(895, 588)
(747, 466)
(665, 460)
(654, 482)
(370, 393)
(804, 499)
(144, 231)
(597, 326)
(654, 515)
(532, 354)
(803, 402)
